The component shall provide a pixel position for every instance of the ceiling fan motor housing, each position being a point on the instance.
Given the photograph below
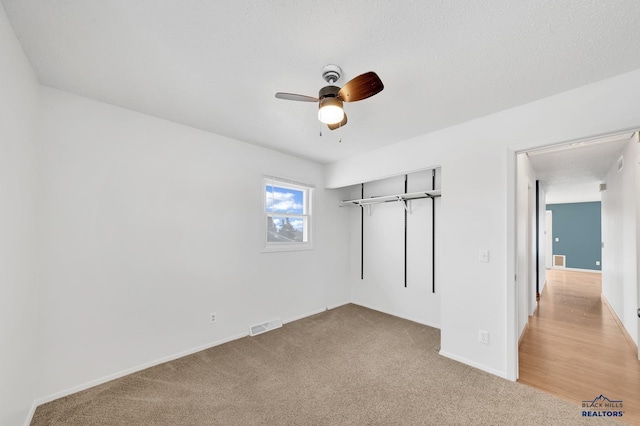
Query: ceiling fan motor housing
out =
(331, 73)
(328, 92)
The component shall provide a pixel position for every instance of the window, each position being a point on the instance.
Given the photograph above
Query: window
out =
(287, 214)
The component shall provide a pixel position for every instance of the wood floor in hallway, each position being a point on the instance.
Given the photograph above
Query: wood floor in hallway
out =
(575, 349)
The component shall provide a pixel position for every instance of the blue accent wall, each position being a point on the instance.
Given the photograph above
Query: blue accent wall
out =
(579, 228)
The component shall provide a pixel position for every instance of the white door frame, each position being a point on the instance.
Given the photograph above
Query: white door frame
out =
(636, 171)
(548, 238)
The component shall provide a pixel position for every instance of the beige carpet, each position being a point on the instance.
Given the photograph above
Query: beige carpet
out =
(347, 366)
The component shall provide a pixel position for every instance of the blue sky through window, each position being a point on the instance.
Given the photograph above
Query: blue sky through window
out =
(284, 200)
(281, 201)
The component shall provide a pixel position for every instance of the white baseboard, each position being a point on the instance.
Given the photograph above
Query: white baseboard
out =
(475, 365)
(395, 314)
(315, 312)
(338, 305)
(595, 271)
(107, 378)
(32, 411)
(132, 370)
(623, 329)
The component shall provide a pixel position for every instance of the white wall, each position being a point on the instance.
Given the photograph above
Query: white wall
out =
(19, 118)
(619, 234)
(574, 193)
(383, 285)
(478, 203)
(548, 236)
(150, 226)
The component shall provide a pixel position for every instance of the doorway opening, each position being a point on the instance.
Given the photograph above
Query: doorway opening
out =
(599, 272)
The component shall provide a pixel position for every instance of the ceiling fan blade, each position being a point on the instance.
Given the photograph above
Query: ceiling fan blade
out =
(338, 125)
(361, 87)
(295, 97)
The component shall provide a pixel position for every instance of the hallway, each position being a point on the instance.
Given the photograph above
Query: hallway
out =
(574, 347)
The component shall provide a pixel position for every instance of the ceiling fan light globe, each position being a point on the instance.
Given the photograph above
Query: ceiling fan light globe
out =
(330, 111)
(330, 114)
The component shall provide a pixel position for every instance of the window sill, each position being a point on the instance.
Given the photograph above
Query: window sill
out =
(276, 249)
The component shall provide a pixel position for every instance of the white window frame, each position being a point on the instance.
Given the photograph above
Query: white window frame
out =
(307, 196)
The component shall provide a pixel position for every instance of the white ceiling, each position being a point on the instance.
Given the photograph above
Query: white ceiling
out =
(572, 172)
(216, 65)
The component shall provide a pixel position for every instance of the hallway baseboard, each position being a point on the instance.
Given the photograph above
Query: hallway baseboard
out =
(623, 329)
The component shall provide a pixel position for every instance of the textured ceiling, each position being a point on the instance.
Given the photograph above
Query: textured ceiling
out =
(215, 65)
(574, 171)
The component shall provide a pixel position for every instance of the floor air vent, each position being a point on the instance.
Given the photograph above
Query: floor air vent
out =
(559, 261)
(254, 330)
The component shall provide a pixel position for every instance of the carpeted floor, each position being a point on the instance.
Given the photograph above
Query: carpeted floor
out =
(347, 366)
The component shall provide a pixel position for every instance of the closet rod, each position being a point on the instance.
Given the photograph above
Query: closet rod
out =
(391, 198)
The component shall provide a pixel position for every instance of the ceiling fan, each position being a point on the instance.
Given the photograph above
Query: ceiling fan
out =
(330, 98)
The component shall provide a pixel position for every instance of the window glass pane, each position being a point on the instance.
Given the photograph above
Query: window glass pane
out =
(287, 215)
(282, 229)
(284, 200)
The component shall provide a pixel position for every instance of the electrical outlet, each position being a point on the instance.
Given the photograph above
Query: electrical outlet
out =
(212, 317)
(483, 337)
(597, 263)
